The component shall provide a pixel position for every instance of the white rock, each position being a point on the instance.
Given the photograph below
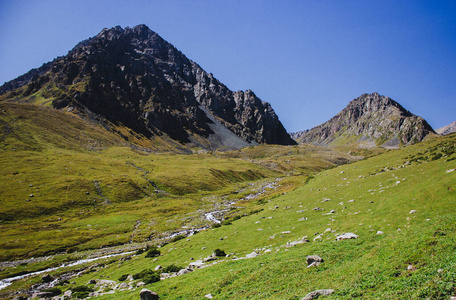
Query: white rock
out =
(318, 237)
(209, 296)
(346, 236)
(252, 255)
(412, 211)
(380, 232)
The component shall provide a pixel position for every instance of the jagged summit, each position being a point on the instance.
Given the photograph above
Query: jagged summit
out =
(133, 77)
(370, 120)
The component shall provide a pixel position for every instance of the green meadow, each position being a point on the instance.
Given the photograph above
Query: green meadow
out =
(73, 190)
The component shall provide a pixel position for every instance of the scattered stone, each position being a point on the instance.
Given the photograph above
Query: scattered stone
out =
(302, 219)
(450, 170)
(440, 271)
(313, 260)
(267, 251)
(197, 264)
(251, 255)
(317, 208)
(318, 238)
(210, 258)
(380, 232)
(318, 293)
(298, 242)
(328, 229)
(209, 296)
(184, 271)
(346, 236)
(286, 232)
(67, 294)
(412, 211)
(31, 196)
(92, 281)
(351, 201)
(333, 211)
(141, 283)
(148, 295)
(411, 268)
(158, 268)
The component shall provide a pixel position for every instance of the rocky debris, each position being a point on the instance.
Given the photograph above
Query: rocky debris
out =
(317, 293)
(372, 118)
(313, 260)
(318, 238)
(251, 255)
(412, 211)
(184, 271)
(148, 295)
(379, 232)
(302, 240)
(210, 258)
(158, 268)
(411, 268)
(208, 296)
(317, 208)
(346, 236)
(196, 264)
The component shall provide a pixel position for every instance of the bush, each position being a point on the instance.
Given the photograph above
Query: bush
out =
(171, 269)
(123, 277)
(81, 292)
(148, 276)
(139, 251)
(216, 225)
(153, 252)
(219, 253)
(54, 291)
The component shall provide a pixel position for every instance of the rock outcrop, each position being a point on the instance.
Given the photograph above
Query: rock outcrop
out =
(450, 128)
(370, 120)
(135, 78)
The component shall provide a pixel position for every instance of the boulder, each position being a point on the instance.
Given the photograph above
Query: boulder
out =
(184, 271)
(346, 236)
(158, 268)
(148, 295)
(252, 255)
(313, 260)
(317, 293)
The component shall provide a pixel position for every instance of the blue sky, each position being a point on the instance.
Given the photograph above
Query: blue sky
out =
(307, 58)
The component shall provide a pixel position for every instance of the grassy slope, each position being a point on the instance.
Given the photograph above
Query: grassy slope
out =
(384, 189)
(69, 185)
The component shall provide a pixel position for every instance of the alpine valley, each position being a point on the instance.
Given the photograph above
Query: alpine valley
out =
(129, 172)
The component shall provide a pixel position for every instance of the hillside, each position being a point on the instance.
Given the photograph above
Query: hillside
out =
(399, 204)
(133, 78)
(368, 121)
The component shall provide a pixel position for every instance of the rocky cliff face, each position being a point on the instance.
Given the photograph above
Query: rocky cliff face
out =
(370, 120)
(134, 77)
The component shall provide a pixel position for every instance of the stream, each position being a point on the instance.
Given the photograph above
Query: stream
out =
(8, 281)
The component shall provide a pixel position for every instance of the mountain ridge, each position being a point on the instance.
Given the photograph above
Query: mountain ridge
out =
(134, 77)
(370, 120)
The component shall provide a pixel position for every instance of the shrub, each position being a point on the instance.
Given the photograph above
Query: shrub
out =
(219, 253)
(153, 252)
(171, 269)
(123, 277)
(81, 292)
(54, 291)
(148, 276)
(216, 225)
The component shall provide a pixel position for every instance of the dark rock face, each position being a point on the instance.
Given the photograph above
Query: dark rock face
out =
(134, 77)
(372, 119)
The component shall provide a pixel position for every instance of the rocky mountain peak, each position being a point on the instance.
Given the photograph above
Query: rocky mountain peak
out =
(133, 77)
(370, 120)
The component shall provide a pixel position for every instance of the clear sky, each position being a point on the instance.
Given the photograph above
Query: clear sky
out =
(307, 58)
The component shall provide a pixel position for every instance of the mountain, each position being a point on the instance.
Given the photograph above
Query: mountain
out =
(134, 78)
(450, 128)
(297, 135)
(370, 120)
